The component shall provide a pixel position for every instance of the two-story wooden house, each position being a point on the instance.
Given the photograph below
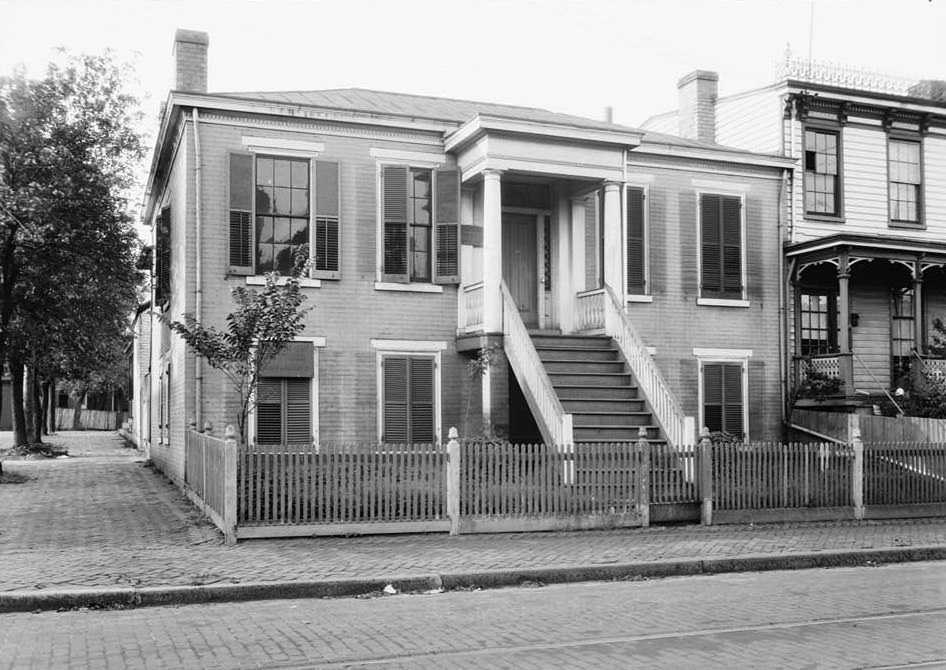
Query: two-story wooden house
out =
(623, 278)
(864, 213)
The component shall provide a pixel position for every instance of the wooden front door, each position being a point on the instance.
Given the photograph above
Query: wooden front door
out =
(520, 265)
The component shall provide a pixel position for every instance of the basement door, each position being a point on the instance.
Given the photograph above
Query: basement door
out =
(520, 264)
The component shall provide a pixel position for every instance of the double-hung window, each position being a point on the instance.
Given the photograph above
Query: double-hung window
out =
(420, 225)
(822, 172)
(636, 242)
(818, 314)
(281, 208)
(721, 247)
(904, 181)
(723, 397)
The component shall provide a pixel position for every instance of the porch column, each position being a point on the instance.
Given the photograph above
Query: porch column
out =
(919, 331)
(578, 245)
(492, 251)
(562, 266)
(845, 360)
(613, 246)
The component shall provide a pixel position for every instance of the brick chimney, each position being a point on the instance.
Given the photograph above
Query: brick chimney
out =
(190, 60)
(697, 113)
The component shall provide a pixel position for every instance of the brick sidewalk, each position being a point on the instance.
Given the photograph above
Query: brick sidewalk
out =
(101, 519)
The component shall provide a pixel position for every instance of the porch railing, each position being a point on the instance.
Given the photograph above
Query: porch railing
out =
(935, 369)
(600, 309)
(472, 307)
(554, 423)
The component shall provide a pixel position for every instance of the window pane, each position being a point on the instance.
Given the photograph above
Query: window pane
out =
(281, 230)
(282, 199)
(264, 171)
(282, 173)
(264, 229)
(300, 174)
(420, 183)
(283, 259)
(300, 203)
(422, 212)
(264, 199)
(299, 231)
(264, 258)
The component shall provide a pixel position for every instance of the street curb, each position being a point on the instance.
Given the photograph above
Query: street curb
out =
(24, 601)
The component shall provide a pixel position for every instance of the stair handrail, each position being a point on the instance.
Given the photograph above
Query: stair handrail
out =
(679, 429)
(554, 423)
(877, 382)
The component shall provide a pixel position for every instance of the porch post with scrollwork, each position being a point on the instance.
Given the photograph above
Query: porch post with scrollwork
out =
(844, 323)
(919, 332)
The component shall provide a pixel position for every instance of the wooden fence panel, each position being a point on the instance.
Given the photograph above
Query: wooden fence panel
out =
(904, 473)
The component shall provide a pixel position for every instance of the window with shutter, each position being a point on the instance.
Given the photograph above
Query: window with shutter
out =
(636, 243)
(162, 284)
(241, 214)
(723, 398)
(721, 247)
(420, 244)
(408, 399)
(325, 264)
(283, 411)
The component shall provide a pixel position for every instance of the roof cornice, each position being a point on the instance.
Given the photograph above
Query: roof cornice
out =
(721, 155)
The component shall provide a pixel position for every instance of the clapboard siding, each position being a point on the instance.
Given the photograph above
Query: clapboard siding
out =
(934, 192)
(870, 341)
(864, 152)
(750, 122)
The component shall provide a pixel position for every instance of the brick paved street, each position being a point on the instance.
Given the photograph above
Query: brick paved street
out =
(889, 616)
(102, 519)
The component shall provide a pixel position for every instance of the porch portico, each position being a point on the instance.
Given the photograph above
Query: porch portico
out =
(864, 308)
(537, 203)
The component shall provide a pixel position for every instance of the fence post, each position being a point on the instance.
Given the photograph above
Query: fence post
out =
(453, 481)
(643, 477)
(208, 428)
(706, 477)
(857, 477)
(229, 485)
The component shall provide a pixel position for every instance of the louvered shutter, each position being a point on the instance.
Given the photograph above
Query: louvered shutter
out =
(241, 237)
(636, 275)
(394, 372)
(327, 193)
(298, 411)
(713, 396)
(421, 400)
(732, 248)
(394, 221)
(711, 263)
(447, 231)
(269, 411)
(163, 262)
(732, 395)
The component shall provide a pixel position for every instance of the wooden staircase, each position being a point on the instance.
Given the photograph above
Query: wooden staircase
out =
(594, 384)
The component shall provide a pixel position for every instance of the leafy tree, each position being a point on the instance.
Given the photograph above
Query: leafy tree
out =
(68, 157)
(260, 326)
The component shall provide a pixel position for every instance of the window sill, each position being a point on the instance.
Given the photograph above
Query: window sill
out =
(407, 288)
(719, 302)
(640, 298)
(824, 218)
(305, 282)
(906, 225)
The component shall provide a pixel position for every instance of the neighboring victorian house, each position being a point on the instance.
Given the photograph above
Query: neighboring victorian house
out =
(865, 241)
(439, 229)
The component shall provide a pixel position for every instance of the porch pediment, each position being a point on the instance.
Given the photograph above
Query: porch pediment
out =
(572, 151)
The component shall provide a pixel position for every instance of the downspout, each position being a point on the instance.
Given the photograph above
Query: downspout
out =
(782, 313)
(198, 291)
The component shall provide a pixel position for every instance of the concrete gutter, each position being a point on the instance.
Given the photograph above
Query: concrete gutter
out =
(116, 598)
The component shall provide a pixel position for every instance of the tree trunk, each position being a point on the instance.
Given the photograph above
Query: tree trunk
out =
(16, 405)
(77, 414)
(51, 406)
(38, 417)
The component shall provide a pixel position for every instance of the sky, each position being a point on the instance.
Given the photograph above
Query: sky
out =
(572, 56)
